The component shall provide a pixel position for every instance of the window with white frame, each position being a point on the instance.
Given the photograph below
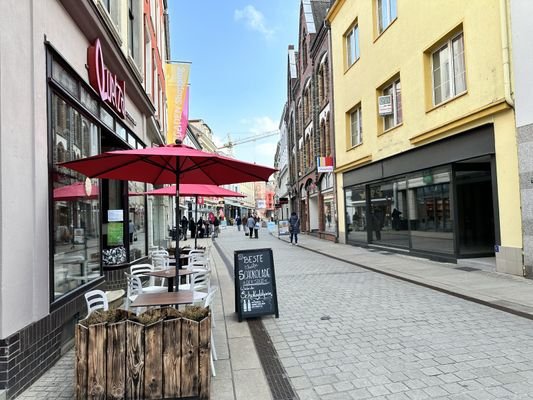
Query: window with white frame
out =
(352, 45)
(448, 65)
(356, 126)
(387, 12)
(396, 117)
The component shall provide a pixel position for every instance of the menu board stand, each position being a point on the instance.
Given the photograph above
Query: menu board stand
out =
(255, 283)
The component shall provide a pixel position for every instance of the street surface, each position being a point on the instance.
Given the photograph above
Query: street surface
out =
(348, 333)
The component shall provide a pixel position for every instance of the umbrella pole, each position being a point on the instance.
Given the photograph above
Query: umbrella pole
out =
(177, 252)
(196, 220)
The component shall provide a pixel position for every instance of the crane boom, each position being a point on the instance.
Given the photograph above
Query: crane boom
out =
(252, 138)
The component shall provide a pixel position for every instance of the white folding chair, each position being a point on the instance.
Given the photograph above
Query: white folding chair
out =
(149, 285)
(207, 303)
(96, 300)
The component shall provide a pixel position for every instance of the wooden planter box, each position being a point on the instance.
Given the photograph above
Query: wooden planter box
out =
(127, 360)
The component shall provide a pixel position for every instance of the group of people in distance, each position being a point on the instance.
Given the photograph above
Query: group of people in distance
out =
(202, 228)
(250, 224)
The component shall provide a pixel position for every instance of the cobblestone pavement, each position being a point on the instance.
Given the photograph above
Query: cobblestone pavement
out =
(349, 333)
(56, 383)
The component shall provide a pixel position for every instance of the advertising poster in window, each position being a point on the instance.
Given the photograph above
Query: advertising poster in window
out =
(283, 228)
(115, 234)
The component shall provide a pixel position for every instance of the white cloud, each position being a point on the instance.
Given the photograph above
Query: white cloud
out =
(254, 20)
(262, 124)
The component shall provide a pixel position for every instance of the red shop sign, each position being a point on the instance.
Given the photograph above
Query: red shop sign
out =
(109, 87)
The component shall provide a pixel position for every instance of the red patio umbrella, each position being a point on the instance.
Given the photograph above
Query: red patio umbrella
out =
(190, 189)
(171, 164)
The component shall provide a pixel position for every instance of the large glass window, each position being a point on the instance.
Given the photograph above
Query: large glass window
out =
(356, 214)
(137, 220)
(76, 201)
(449, 78)
(429, 211)
(388, 213)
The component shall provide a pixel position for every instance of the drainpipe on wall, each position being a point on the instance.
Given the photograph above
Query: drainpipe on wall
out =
(506, 52)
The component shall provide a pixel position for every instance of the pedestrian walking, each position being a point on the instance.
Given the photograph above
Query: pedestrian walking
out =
(294, 228)
(245, 225)
(192, 227)
(238, 222)
(250, 223)
(257, 226)
(216, 227)
(184, 226)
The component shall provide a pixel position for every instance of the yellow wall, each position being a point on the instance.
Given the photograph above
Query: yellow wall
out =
(404, 48)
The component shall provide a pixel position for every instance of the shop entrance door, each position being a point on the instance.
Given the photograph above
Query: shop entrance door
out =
(475, 210)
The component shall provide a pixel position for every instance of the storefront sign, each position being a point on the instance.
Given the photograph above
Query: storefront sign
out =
(283, 200)
(255, 283)
(109, 87)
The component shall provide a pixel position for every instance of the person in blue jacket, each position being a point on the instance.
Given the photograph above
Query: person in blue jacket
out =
(294, 228)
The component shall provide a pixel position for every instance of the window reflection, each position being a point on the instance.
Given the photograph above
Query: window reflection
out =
(76, 218)
(430, 214)
(355, 218)
(388, 214)
(137, 225)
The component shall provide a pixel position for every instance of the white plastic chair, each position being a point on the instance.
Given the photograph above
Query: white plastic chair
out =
(96, 300)
(160, 259)
(199, 282)
(140, 270)
(135, 288)
(207, 303)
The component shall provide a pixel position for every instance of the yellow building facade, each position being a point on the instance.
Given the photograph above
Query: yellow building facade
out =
(426, 152)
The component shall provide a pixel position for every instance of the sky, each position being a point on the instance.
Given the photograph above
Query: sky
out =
(238, 78)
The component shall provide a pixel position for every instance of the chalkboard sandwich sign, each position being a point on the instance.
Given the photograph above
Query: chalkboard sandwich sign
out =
(255, 283)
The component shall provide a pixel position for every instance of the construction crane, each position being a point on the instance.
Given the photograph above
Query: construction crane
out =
(230, 143)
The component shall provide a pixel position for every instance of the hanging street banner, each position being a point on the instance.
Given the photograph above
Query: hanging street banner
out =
(324, 164)
(177, 81)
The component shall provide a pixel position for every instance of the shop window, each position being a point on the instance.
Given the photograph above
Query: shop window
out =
(137, 232)
(76, 202)
(355, 214)
(388, 217)
(430, 212)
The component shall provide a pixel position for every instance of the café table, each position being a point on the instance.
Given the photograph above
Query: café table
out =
(163, 299)
(169, 274)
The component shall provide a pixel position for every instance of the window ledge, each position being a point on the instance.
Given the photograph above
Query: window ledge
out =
(355, 146)
(391, 129)
(351, 66)
(434, 107)
(385, 30)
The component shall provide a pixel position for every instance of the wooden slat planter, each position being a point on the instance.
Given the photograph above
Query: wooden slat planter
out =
(127, 360)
